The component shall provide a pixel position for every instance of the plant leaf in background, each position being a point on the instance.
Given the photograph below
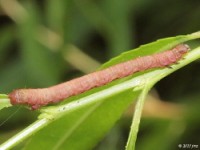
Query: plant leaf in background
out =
(37, 59)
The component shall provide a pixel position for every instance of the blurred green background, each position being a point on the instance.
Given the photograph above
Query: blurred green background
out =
(43, 43)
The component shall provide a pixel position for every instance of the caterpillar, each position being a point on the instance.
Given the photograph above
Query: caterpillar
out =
(35, 98)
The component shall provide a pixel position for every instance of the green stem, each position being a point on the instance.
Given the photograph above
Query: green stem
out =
(37, 125)
(136, 119)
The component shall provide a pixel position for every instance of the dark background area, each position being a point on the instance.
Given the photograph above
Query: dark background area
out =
(43, 43)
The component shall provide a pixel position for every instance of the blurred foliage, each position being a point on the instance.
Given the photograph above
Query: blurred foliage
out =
(34, 35)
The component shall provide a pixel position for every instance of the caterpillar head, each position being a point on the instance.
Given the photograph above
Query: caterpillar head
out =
(182, 48)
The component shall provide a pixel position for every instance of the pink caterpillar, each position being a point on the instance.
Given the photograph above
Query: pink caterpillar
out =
(41, 97)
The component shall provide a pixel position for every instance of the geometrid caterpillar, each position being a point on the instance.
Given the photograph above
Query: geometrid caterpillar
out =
(40, 97)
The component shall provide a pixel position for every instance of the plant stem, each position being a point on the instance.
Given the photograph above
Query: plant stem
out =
(136, 119)
(37, 125)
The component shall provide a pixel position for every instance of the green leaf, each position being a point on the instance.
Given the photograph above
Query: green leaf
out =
(83, 120)
(92, 119)
(147, 49)
(84, 127)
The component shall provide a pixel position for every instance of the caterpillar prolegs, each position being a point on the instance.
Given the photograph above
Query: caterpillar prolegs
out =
(41, 97)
